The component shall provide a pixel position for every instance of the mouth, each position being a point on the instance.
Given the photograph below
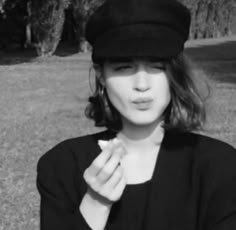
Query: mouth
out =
(142, 100)
(143, 103)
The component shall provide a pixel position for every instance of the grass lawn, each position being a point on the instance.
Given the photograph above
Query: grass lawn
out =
(42, 103)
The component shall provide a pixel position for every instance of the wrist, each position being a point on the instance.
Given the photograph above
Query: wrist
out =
(94, 212)
(95, 198)
(97, 201)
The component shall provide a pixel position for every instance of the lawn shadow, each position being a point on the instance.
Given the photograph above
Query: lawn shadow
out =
(221, 51)
(16, 55)
(13, 56)
(64, 50)
(216, 58)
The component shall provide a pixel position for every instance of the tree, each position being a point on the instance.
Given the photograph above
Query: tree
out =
(226, 15)
(82, 9)
(47, 24)
(211, 18)
(44, 19)
(13, 19)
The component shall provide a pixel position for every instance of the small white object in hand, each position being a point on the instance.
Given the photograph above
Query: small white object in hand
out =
(102, 144)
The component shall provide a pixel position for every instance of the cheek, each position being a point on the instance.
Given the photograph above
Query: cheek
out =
(162, 89)
(115, 94)
(165, 93)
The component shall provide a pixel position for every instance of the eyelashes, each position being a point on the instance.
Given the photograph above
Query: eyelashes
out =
(161, 67)
(122, 67)
(133, 67)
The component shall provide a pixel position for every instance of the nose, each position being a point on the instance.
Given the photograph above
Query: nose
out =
(141, 80)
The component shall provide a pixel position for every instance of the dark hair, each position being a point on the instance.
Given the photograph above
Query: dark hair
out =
(185, 112)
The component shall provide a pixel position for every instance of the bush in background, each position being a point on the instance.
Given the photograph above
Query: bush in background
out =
(211, 18)
(47, 22)
(44, 20)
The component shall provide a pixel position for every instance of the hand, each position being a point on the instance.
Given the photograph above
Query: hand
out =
(105, 176)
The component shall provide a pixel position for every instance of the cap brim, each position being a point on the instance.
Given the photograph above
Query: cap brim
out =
(140, 41)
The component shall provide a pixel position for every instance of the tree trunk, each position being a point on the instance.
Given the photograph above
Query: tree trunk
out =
(28, 42)
(48, 26)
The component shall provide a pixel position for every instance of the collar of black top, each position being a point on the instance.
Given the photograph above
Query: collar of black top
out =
(138, 28)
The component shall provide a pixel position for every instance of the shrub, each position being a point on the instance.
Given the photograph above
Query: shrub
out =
(47, 21)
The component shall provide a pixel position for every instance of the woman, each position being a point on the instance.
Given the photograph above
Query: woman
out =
(147, 170)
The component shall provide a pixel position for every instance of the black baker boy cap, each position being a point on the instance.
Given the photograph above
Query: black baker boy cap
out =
(138, 28)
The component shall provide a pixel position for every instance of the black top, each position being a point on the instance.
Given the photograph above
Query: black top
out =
(193, 186)
(129, 211)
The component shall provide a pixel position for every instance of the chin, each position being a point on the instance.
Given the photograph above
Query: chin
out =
(143, 120)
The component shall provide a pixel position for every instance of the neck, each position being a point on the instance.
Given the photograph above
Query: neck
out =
(139, 138)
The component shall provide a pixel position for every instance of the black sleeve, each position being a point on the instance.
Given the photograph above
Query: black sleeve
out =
(221, 210)
(58, 188)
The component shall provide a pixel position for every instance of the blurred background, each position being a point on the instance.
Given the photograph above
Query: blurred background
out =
(45, 24)
(44, 86)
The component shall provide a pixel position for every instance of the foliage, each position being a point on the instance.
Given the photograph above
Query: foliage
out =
(13, 19)
(47, 24)
(82, 9)
(211, 18)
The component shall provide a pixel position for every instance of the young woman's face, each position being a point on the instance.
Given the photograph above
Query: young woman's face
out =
(138, 89)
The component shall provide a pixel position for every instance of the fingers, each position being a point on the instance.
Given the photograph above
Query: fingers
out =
(105, 176)
(101, 160)
(110, 165)
(115, 178)
(117, 191)
(111, 151)
(113, 188)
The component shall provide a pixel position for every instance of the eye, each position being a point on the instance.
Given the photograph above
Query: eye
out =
(157, 65)
(122, 67)
(160, 67)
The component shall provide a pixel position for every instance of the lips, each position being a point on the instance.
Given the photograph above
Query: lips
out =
(142, 100)
(143, 103)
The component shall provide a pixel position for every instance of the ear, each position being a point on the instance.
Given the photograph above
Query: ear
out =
(98, 72)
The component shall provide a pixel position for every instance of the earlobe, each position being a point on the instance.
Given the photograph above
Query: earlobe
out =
(98, 72)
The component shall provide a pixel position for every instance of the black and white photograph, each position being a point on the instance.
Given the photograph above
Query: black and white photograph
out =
(118, 115)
